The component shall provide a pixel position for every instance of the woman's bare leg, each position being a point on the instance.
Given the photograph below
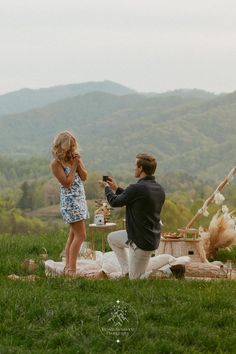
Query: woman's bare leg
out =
(67, 248)
(79, 232)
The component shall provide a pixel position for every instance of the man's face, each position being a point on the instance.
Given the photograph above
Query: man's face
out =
(137, 170)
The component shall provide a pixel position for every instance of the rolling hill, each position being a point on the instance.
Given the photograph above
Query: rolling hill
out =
(26, 99)
(187, 132)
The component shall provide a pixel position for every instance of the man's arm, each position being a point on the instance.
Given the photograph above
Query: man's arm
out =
(114, 186)
(125, 196)
(119, 190)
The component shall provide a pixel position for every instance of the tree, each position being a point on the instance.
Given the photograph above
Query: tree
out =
(25, 200)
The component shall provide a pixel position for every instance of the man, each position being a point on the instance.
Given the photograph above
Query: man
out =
(143, 201)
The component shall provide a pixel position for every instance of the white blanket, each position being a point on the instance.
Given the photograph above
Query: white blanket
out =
(108, 263)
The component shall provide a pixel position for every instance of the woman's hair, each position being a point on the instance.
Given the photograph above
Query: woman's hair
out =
(148, 163)
(64, 147)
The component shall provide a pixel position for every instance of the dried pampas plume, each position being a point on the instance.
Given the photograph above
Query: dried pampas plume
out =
(221, 234)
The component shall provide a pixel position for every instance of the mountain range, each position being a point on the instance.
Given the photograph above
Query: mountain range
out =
(192, 131)
(26, 99)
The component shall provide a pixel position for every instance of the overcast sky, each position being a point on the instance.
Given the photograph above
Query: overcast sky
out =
(148, 45)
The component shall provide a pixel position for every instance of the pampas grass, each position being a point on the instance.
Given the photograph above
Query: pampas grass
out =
(221, 234)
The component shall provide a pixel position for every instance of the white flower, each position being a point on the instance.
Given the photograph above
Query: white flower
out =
(227, 217)
(218, 198)
(225, 209)
(231, 223)
(203, 211)
(202, 233)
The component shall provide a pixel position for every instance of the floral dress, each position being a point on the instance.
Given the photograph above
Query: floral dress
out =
(73, 200)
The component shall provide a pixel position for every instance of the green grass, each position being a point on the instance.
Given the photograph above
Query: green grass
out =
(58, 315)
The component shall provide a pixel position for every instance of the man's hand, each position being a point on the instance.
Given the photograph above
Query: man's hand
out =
(103, 184)
(109, 183)
(112, 183)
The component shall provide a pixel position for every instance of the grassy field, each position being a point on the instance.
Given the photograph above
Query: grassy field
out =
(58, 315)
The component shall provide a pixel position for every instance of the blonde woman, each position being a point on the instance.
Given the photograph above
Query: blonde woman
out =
(69, 169)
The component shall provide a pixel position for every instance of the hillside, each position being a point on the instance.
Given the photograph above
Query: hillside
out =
(26, 99)
(187, 133)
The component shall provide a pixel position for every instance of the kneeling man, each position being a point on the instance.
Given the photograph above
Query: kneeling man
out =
(143, 201)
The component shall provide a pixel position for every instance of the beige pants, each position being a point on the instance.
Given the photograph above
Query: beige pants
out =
(135, 263)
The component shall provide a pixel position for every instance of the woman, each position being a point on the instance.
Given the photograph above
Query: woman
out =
(68, 167)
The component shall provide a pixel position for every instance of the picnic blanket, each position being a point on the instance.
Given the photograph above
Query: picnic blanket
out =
(108, 263)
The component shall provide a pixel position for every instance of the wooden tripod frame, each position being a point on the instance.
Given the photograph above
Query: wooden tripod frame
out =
(222, 184)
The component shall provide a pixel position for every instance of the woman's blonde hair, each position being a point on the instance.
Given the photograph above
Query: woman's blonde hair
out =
(64, 147)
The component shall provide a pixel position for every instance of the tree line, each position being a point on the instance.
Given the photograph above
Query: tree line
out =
(29, 186)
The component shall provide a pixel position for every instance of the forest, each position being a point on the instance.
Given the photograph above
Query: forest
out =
(29, 197)
(191, 132)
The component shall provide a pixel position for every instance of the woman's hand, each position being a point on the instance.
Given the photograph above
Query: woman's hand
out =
(81, 169)
(77, 161)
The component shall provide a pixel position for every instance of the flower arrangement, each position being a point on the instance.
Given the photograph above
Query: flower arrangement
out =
(103, 209)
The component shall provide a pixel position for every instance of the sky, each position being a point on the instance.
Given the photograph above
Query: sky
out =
(147, 45)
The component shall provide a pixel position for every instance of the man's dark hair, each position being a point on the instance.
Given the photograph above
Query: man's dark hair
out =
(148, 163)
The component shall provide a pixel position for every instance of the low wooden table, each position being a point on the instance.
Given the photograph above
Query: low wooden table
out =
(102, 230)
